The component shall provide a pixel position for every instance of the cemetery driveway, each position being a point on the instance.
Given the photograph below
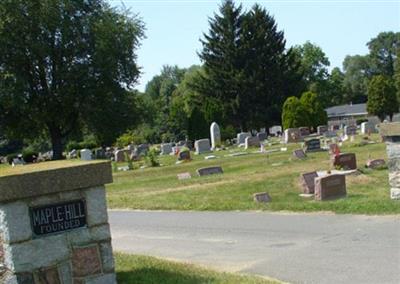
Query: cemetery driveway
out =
(297, 248)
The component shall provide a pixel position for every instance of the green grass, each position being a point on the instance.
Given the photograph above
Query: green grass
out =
(277, 173)
(133, 269)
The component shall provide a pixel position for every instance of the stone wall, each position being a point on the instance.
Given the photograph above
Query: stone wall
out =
(79, 253)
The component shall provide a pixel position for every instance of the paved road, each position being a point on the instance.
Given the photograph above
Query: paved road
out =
(297, 248)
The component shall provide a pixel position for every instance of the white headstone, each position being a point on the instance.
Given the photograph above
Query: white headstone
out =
(86, 155)
(215, 134)
(202, 146)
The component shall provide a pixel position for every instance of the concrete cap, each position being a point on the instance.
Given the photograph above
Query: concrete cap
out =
(51, 177)
(389, 129)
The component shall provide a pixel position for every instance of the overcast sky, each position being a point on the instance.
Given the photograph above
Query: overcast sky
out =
(340, 28)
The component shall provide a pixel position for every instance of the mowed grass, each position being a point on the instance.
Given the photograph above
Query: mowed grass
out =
(276, 173)
(133, 269)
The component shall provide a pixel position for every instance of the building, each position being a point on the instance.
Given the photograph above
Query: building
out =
(346, 114)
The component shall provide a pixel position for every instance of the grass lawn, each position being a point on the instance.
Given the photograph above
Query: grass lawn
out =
(149, 270)
(277, 173)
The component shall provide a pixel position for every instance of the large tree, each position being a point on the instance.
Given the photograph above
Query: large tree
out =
(383, 51)
(64, 65)
(382, 99)
(246, 67)
(357, 72)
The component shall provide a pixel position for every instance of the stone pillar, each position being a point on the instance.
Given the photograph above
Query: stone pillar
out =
(391, 134)
(54, 224)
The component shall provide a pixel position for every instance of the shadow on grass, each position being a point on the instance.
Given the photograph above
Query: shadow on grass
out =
(157, 276)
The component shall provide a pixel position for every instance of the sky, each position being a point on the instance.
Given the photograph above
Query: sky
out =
(340, 28)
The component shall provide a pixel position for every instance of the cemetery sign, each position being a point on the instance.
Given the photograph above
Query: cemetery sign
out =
(57, 218)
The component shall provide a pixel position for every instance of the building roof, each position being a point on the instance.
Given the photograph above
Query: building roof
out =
(347, 110)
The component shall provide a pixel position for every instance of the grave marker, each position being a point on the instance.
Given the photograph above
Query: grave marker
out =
(209, 171)
(299, 154)
(329, 187)
(251, 141)
(312, 145)
(261, 197)
(183, 176)
(202, 146)
(376, 163)
(346, 161)
(307, 181)
(215, 134)
(304, 131)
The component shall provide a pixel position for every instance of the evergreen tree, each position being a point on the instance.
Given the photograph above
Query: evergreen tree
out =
(246, 66)
(223, 63)
(294, 114)
(315, 111)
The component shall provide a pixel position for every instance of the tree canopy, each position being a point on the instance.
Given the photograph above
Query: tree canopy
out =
(382, 100)
(65, 65)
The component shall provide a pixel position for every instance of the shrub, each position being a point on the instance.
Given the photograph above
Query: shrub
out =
(152, 158)
(29, 155)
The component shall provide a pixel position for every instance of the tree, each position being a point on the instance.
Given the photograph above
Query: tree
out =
(314, 66)
(382, 100)
(336, 87)
(357, 72)
(246, 68)
(383, 50)
(65, 65)
(223, 63)
(294, 114)
(315, 112)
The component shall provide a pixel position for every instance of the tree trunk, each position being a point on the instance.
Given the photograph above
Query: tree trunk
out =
(56, 143)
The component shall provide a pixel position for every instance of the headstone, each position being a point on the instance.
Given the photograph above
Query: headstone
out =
(391, 134)
(330, 134)
(166, 149)
(86, 154)
(183, 176)
(210, 157)
(184, 154)
(275, 130)
(329, 187)
(57, 231)
(181, 143)
(215, 134)
(209, 171)
(73, 154)
(261, 197)
(142, 149)
(202, 146)
(263, 130)
(120, 155)
(350, 130)
(367, 128)
(304, 131)
(299, 154)
(100, 153)
(241, 137)
(251, 141)
(334, 149)
(292, 135)
(189, 144)
(334, 127)
(376, 163)
(312, 145)
(345, 161)
(307, 181)
(262, 136)
(322, 129)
